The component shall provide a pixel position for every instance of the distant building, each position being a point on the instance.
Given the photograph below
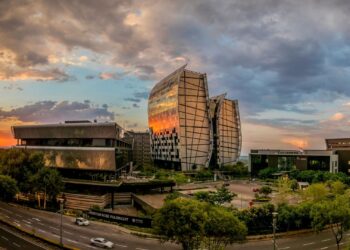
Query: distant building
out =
(77, 147)
(189, 131)
(141, 147)
(341, 147)
(285, 160)
(226, 123)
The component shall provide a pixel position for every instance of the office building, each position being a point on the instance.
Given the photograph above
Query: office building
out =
(179, 121)
(141, 147)
(226, 130)
(188, 130)
(76, 146)
(341, 147)
(286, 160)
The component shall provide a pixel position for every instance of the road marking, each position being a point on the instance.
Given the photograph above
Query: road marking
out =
(84, 237)
(120, 245)
(68, 232)
(324, 248)
(4, 238)
(17, 224)
(8, 217)
(138, 248)
(53, 228)
(14, 243)
(6, 210)
(41, 223)
(18, 215)
(35, 219)
(72, 241)
(278, 248)
(55, 235)
(43, 231)
(308, 244)
(326, 240)
(25, 221)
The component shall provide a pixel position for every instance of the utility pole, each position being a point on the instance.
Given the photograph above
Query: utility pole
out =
(61, 235)
(274, 221)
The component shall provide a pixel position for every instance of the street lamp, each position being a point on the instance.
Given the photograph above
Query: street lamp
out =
(61, 229)
(274, 221)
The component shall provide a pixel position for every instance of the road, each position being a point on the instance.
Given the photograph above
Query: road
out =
(9, 240)
(47, 225)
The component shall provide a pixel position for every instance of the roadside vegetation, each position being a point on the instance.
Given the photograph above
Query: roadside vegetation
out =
(22, 171)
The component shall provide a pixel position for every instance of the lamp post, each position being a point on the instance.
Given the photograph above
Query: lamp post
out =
(274, 221)
(61, 211)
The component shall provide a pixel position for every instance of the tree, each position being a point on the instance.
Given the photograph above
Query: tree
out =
(222, 228)
(335, 213)
(182, 220)
(21, 165)
(265, 191)
(48, 181)
(8, 188)
(294, 185)
(316, 192)
(221, 196)
(194, 223)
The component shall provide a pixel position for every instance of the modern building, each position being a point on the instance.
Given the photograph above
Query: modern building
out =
(179, 121)
(341, 147)
(77, 147)
(141, 147)
(286, 160)
(227, 139)
(188, 130)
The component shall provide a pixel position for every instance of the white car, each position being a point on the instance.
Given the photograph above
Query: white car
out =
(101, 242)
(81, 221)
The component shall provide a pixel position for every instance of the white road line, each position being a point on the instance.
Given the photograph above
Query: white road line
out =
(4, 238)
(8, 217)
(278, 248)
(53, 228)
(36, 219)
(326, 240)
(25, 221)
(43, 231)
(18, 225)
(120, 245)
(308, 244)
(14, 243)
(18, 215)
(72, 241)
(84, 237)
(55, 235)
(323, 248)
(68, 232)
(138, 248)
(41, 223)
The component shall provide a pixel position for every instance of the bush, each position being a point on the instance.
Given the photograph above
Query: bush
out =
(267, 172)
(8, 188)
(204, 175)
(238, 169)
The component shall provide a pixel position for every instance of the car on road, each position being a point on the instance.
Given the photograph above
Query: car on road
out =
(80, 221)
(101, 242)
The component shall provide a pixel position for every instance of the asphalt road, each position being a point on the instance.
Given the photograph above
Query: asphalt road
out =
(48, 224)
(9, 240)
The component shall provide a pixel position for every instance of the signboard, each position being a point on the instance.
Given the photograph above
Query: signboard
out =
(125, 219)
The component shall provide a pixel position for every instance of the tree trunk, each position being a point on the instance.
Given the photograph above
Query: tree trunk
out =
(45, 199)
(38, 197)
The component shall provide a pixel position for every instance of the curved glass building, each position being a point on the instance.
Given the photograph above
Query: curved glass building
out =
(179, 121)
(189, 130)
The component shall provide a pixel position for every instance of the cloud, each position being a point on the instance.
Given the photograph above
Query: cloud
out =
(53, 112)
(114, 76)
(135, 105)
(142, 95)
(131, 99)
(337, 117)
(33, 74)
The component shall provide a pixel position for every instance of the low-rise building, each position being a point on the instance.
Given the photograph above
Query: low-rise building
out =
(141, 147)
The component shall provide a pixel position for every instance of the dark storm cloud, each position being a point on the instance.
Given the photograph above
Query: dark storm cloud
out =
(51, 111)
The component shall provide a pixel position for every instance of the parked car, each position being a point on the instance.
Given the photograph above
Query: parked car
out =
(80, 221)
(101, 242)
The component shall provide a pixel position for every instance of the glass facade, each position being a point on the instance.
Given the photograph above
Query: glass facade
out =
(178, 111)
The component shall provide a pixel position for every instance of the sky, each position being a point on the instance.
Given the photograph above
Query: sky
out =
(287, 62)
